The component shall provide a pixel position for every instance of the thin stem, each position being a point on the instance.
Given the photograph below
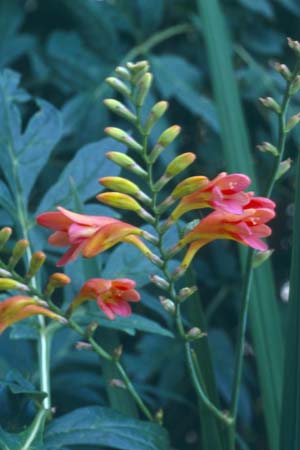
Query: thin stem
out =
(282, 135)
(35, 427)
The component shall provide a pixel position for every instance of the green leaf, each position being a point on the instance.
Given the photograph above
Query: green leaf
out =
(266, 333)
(103, 427)
(179, 79)
(150, 14)
(84, 170)
(76, 68)
(290, 417)
(23, 155)
(17, 384)
(129, 324)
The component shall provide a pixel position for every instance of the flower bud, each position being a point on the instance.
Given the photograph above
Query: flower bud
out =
(36, 262)
(143, 89)
(119, 86)
(119, 109)
(294, 45)
(122, 136)
(168, 305)
(283, 70)
(138, 66)
(188, 186)
(165, 139)
(260, 257)
(82, 345)
(160, 282)
(295, 85)
(270, 103)
(180, 163)
(123, 73)
(195, 333)
(117, 352)
(125, 161)
(116, 382)
(5, 234)
(17, 253)
(8, 283)
(267, 147)
(283, 168)
(292, 122)
(120, 185)
(119, 200)
(186, 292)
(159, 416)
(56, 280)
(5, 273)
(155, 114)
(92, 327)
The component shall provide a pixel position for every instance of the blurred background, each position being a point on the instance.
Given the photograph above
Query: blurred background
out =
(64, 50)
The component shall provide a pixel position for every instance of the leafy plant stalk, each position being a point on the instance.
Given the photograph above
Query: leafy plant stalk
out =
(282, 134)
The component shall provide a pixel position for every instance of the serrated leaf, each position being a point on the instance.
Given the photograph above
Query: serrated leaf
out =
(85, 168)
(101, 426)
(23, 155)
(179, 79)
(129, 324)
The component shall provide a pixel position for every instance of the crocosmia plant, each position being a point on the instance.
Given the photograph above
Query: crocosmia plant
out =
(121, 332)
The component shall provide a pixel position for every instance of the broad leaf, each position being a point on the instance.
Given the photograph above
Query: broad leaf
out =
(84, 170)
(103, 427)
(17, 384)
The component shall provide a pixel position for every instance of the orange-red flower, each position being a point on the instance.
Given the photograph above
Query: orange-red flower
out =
(247, 228)
(88, 235)
(225, 192)
(112, 296)
(20, 307)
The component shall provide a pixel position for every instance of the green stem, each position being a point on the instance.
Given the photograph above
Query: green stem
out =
(282, 135)
(34, 429)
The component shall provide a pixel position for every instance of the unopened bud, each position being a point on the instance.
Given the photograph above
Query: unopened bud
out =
(188, 186)
(270, 103)
(7, 284)
(119, 200)
(56, 280)
(267, 147)
(180, 163)
(155, 114)
(146, 216)
(292, 122)
(195, 333)
(155, 259)
(294, 45)
(36, 262)
(82, 345)
(5, 234)
(125, 161)
(295, 85)
(165, 139)
(160, 282)
(122, 136)
(116, 382)
(168, 305)
(92, 327)
(119, 109)
(120, 185)
(283, 168)
(283, 70)
(17, 253)
(117, 352)
(143, 89)
(186, 292)
(138, 66)
(261, 257)
(159, 416)
(123, 73)
(5, 273)
(119, 86)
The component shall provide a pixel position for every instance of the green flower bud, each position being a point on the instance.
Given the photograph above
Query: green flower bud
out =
(270, 103)
(292, 122)
(155, 114)
(294, 45)
(17, 253)
(36, 262)
(122, 136)
(120, 109)
(165, 139)
(125, 161)
(143, 88)
(5, 234)
(119, 86)
(269, 148)
(283, 168)
(123, 73)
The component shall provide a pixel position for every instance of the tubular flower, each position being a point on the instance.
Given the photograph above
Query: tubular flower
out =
(88, 235)
(247, 228)
(20, 307)
(225, 192)
(112, 296)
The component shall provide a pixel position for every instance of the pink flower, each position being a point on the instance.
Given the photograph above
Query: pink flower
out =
(247, 228)
(88, 235)
(112, 296)
(225, 192)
